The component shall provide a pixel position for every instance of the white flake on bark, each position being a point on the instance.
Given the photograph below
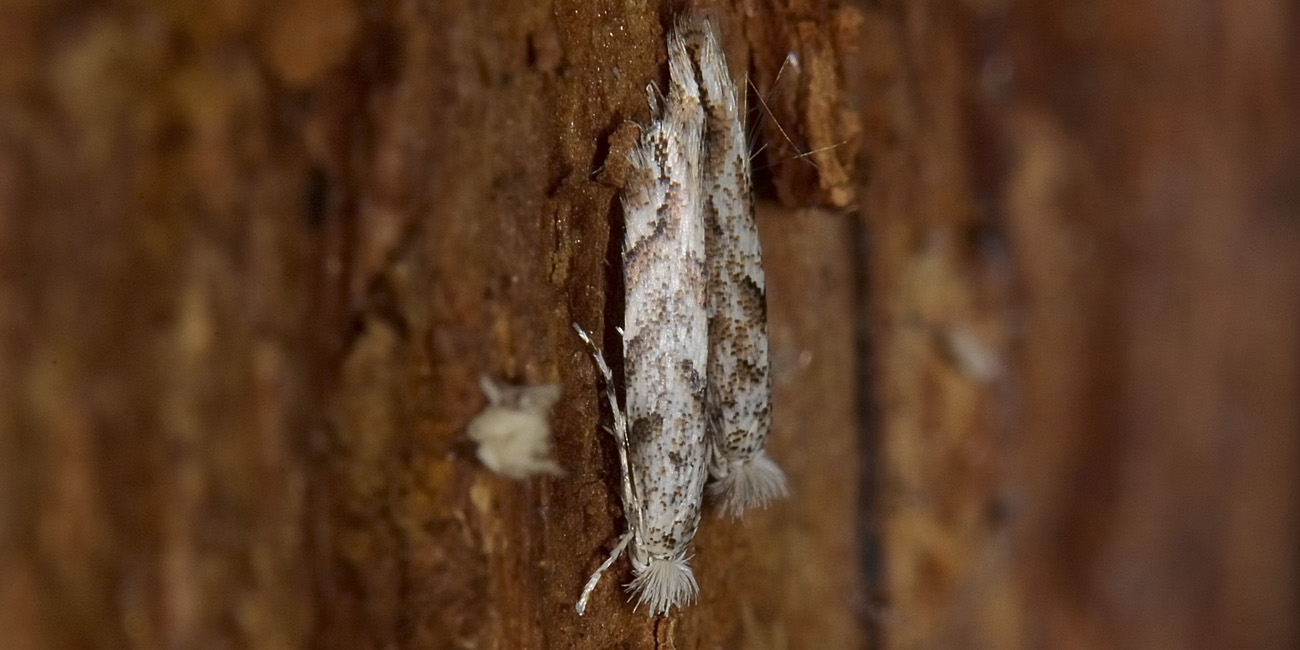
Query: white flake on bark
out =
(514, 431)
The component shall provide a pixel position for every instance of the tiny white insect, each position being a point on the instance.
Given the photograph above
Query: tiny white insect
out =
(665, 346)
(698, 385)
(513, 431)
(739, 394)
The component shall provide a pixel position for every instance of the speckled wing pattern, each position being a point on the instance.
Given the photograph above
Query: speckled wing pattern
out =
(739, 392)
(695, 348)
(665, 347)
(665, 342)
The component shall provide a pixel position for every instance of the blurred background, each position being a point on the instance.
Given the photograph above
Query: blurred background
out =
(1034, 297)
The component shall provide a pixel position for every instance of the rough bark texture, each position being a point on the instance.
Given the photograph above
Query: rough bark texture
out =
(1084, 255)
(1034, 282)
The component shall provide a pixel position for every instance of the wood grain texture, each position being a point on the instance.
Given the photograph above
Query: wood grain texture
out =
(254, 259)
(1083, 262)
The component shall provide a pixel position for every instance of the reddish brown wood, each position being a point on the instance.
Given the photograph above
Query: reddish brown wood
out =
(1102, 196)
(1035, 305)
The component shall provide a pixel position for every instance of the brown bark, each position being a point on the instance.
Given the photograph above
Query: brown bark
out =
(1098, 200)
(1034, 287)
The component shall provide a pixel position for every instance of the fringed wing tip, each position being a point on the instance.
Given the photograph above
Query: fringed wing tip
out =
(753, 483)
(663, 583)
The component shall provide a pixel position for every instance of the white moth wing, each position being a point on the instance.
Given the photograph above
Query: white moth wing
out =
(739, 387)
(666, 339)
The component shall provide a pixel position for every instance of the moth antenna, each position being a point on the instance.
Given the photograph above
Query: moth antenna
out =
(631, 507)
(581, 607)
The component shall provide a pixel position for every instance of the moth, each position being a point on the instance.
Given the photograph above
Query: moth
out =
(739, 391)
(695, 348)
(665, 346)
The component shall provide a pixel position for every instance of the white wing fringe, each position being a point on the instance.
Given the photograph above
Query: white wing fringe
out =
(662, 583)
(752, 483)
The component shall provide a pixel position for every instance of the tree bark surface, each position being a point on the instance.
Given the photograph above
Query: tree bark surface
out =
(1034, 297)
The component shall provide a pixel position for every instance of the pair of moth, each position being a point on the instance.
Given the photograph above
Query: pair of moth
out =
(698, 387)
